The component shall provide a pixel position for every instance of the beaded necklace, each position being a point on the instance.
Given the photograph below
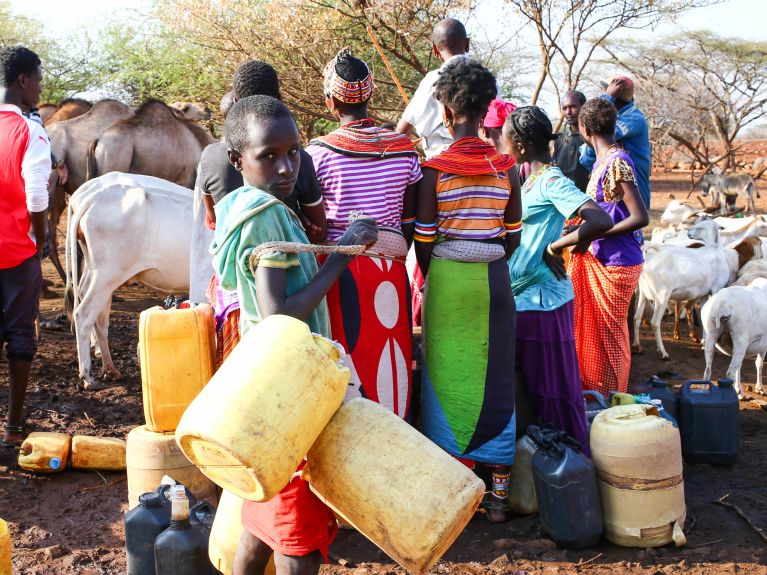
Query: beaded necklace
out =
(529, 181)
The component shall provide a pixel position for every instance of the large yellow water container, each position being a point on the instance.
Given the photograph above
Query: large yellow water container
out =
(5, 549)
(225, 534)
(252, 425)
(638, 458)
(149, 456)
(522, 497)
(392, 484)
(177, 349)
(45, 452)
(105, 453)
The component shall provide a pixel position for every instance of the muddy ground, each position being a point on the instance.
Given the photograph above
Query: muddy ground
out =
(72, 523)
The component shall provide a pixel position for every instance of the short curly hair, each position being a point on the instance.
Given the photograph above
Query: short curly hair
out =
(599, 116)
(531, 126)
(16, 61)
(256, 78)
(466, 87)
(247, 110)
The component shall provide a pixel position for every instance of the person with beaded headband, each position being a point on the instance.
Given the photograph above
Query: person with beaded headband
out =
(364, 169)
(468, 224)
(545, 346)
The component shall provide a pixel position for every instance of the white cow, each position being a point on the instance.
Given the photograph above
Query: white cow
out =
(741, 313)
(129, 228)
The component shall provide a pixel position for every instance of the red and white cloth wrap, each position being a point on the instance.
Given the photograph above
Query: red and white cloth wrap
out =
(370, 316)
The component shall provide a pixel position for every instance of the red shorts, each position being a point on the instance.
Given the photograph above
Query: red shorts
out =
(295, 522)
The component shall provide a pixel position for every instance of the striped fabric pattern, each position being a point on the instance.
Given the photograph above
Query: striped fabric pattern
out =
(373, 186)
(472, 207)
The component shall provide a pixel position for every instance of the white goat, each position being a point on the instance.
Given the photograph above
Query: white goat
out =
(675, 273)
(677, 212)
(739, 312)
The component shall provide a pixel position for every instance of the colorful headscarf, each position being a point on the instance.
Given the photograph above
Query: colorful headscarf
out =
(497, 112)
(340, 89)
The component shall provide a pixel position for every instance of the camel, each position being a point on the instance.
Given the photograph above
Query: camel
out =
(192, 111)
(67, 109)
(46, 110)
(69, 144)
(154, 142)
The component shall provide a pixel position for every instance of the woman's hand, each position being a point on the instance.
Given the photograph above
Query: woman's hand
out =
(556, 264)
(362, 231)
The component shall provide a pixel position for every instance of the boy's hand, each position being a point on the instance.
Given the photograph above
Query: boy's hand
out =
(362, 231)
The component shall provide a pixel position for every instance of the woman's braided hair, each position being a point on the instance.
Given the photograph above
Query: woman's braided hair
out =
(466, 87)
(531, 126)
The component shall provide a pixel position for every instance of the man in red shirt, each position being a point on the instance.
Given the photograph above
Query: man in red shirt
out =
(25, 165)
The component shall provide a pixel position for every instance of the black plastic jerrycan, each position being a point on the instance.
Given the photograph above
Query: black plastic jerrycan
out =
(566, 487)
(182, 549)
(660, 390)
(709, 422)
(143, 524)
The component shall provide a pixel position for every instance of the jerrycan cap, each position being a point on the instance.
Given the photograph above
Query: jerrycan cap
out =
(724, 382)
(150, 499)
(55, 463)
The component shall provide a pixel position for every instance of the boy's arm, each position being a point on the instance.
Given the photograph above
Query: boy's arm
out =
(271, 283)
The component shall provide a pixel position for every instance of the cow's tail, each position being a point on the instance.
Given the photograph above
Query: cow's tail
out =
(90, 161)
(72, 289)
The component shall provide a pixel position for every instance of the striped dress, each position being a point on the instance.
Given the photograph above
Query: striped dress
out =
(472, 207)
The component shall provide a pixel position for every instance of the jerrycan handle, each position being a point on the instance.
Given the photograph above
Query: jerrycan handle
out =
(596, 397)
(202, 512)
(698, 386)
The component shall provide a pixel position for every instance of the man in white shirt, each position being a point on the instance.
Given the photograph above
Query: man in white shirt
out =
(423, 113)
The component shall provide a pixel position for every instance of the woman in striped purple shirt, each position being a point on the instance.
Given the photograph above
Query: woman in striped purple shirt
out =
(366, 170)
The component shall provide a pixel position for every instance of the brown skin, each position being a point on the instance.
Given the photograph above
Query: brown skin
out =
(617, 88)
(270, 162)
(24, 92)
(571, 109)
(346, 114)
(595, 220)
(494, 137)
(444, 53)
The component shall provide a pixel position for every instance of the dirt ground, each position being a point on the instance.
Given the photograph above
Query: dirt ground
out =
(72, 523)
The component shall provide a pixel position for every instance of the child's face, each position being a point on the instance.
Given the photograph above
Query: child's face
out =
(271, 160)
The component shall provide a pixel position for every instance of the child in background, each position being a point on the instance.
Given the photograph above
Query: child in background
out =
(264, 145)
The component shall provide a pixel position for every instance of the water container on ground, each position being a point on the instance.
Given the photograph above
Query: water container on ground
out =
(251, 426)
(225, 535)
(638, 458)
(661, 390)
(709, 422)
(143, 524)
(182, 549)
(392, 484)
(150, 456)
(566, 489)
(45, 452)
(521, 486)
(104, 453)
(5, 549)
(177, 349)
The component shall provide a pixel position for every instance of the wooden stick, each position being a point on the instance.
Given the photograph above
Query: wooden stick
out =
(100, 485)
(594, 558)
(388, 66)
(699, 545)
(758, 530)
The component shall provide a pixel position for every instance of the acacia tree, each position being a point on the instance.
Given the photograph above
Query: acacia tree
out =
(299, 37)
(570, 31)
(706, 90)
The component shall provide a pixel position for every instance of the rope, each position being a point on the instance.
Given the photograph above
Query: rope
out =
(295, 247)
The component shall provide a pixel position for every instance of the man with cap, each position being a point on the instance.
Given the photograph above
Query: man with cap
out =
(566, 148)
(631, 131)
(423, 113)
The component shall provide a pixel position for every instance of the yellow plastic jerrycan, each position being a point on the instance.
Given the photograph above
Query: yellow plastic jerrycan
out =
(105, 453)
(5, 549)
(638, 458)
(622, 399)
(225, 535)
(150, 456)
(45, 452)
(177, 349)
(392, 484)
(252, 425)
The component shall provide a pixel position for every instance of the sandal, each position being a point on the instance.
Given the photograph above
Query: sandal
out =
(22, 429)
(496, 510)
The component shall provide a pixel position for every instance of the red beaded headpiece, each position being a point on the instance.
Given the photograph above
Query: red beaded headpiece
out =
(343, 91)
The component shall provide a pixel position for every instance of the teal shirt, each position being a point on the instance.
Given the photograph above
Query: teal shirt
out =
(245, 219)
(546, 203)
